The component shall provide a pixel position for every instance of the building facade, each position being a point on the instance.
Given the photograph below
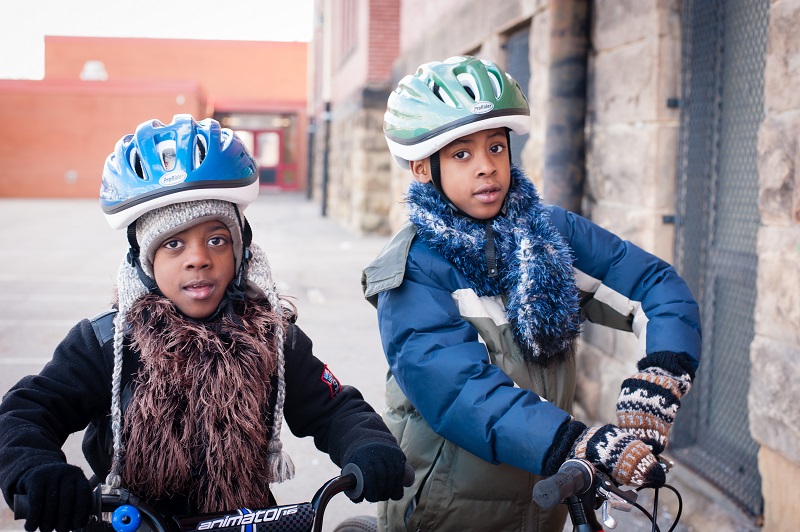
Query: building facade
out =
(671, 123)
(97, 89)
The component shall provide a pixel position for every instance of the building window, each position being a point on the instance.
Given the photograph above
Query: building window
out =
(345, 29)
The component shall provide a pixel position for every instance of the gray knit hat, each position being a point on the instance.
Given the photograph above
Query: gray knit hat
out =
(155, 227)
(152, 229)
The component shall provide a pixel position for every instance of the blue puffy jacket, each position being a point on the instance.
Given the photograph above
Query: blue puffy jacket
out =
(455, 367)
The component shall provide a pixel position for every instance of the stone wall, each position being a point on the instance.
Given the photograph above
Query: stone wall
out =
(632, 138)
(359, 164)
(774, 373)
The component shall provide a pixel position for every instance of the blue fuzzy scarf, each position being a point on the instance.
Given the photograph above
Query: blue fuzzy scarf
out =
(535, 265)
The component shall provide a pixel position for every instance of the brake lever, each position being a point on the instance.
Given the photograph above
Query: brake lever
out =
(609, 491)
(614, 498)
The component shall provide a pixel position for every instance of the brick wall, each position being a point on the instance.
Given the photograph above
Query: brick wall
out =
(63, 128)
(58, 135)
(244, 70)
(358, 159)
(384, 42)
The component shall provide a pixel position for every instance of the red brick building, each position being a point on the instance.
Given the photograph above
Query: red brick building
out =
(58, 131)
(355, 45)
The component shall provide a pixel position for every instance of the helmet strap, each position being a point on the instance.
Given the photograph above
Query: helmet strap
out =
(135, 261)
(508, 146)
(236, 290)
(436, 181)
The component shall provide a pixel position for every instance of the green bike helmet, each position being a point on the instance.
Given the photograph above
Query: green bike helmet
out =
(447, 100)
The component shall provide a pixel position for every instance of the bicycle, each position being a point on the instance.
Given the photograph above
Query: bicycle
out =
(584, 489)
(127, 512)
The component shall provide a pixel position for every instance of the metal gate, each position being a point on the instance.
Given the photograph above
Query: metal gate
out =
(724, 46)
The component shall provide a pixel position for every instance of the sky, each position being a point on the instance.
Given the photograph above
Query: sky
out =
(24, 24)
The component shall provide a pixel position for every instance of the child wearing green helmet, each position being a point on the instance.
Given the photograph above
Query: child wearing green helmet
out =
(183, 386)
(480, 298)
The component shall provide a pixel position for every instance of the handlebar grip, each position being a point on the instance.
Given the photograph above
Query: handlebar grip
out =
(355, 491)
(21, 506)
(408, 476)
(574, 477)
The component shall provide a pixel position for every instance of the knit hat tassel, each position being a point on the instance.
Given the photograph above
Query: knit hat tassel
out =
(280, 465)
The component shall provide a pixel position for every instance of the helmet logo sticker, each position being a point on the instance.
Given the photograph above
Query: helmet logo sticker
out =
(173, 178)
(479, 108)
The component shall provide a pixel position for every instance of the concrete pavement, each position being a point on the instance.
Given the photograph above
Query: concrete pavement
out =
(58, 262)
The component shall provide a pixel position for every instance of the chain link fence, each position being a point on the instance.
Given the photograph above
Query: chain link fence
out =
(724, 46)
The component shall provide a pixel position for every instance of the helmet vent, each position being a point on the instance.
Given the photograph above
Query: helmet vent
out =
(495, 80)
(200, 150)
(227, 138)
(167, 154)
(442, 95)
(470, 85)
(136, 163)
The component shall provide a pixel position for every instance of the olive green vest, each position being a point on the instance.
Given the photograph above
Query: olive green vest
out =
(454, 489)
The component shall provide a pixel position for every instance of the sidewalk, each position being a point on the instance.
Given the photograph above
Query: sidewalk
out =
(58, 262)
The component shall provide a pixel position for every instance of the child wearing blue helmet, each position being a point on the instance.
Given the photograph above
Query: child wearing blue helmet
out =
(183, 386)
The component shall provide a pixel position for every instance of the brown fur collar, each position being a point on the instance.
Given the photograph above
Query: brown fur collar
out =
(198, 421)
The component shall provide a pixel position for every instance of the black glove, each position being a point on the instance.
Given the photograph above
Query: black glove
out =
(59, 497)
(382, 465)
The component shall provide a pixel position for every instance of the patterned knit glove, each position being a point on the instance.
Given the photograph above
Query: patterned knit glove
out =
(618, 453)
(649, 400)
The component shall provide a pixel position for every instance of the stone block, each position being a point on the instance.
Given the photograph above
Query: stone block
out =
(626, 221)
(598, 382)
(621, 163)
(618, 23)
(538, 91)
(669, 78)
(605, 358)
(665, 166)
(643, 227)
(774, 396)
(780, 487)
(777, 312)
(589, 386)
(611, 376)
(628, 352)
(651, 24)
(778, 155)
(598, 337)
(782, 68)
(625, 83)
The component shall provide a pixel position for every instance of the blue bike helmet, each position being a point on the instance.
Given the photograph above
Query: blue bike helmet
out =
(184, 160)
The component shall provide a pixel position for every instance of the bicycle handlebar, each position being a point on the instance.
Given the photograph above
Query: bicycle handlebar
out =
(356, 491)
(350, 482)
(574, 477)
(584, 489)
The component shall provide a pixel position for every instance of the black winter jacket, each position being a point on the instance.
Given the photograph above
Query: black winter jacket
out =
(73, 393)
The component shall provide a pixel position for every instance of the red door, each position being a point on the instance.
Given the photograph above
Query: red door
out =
(277, 166)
